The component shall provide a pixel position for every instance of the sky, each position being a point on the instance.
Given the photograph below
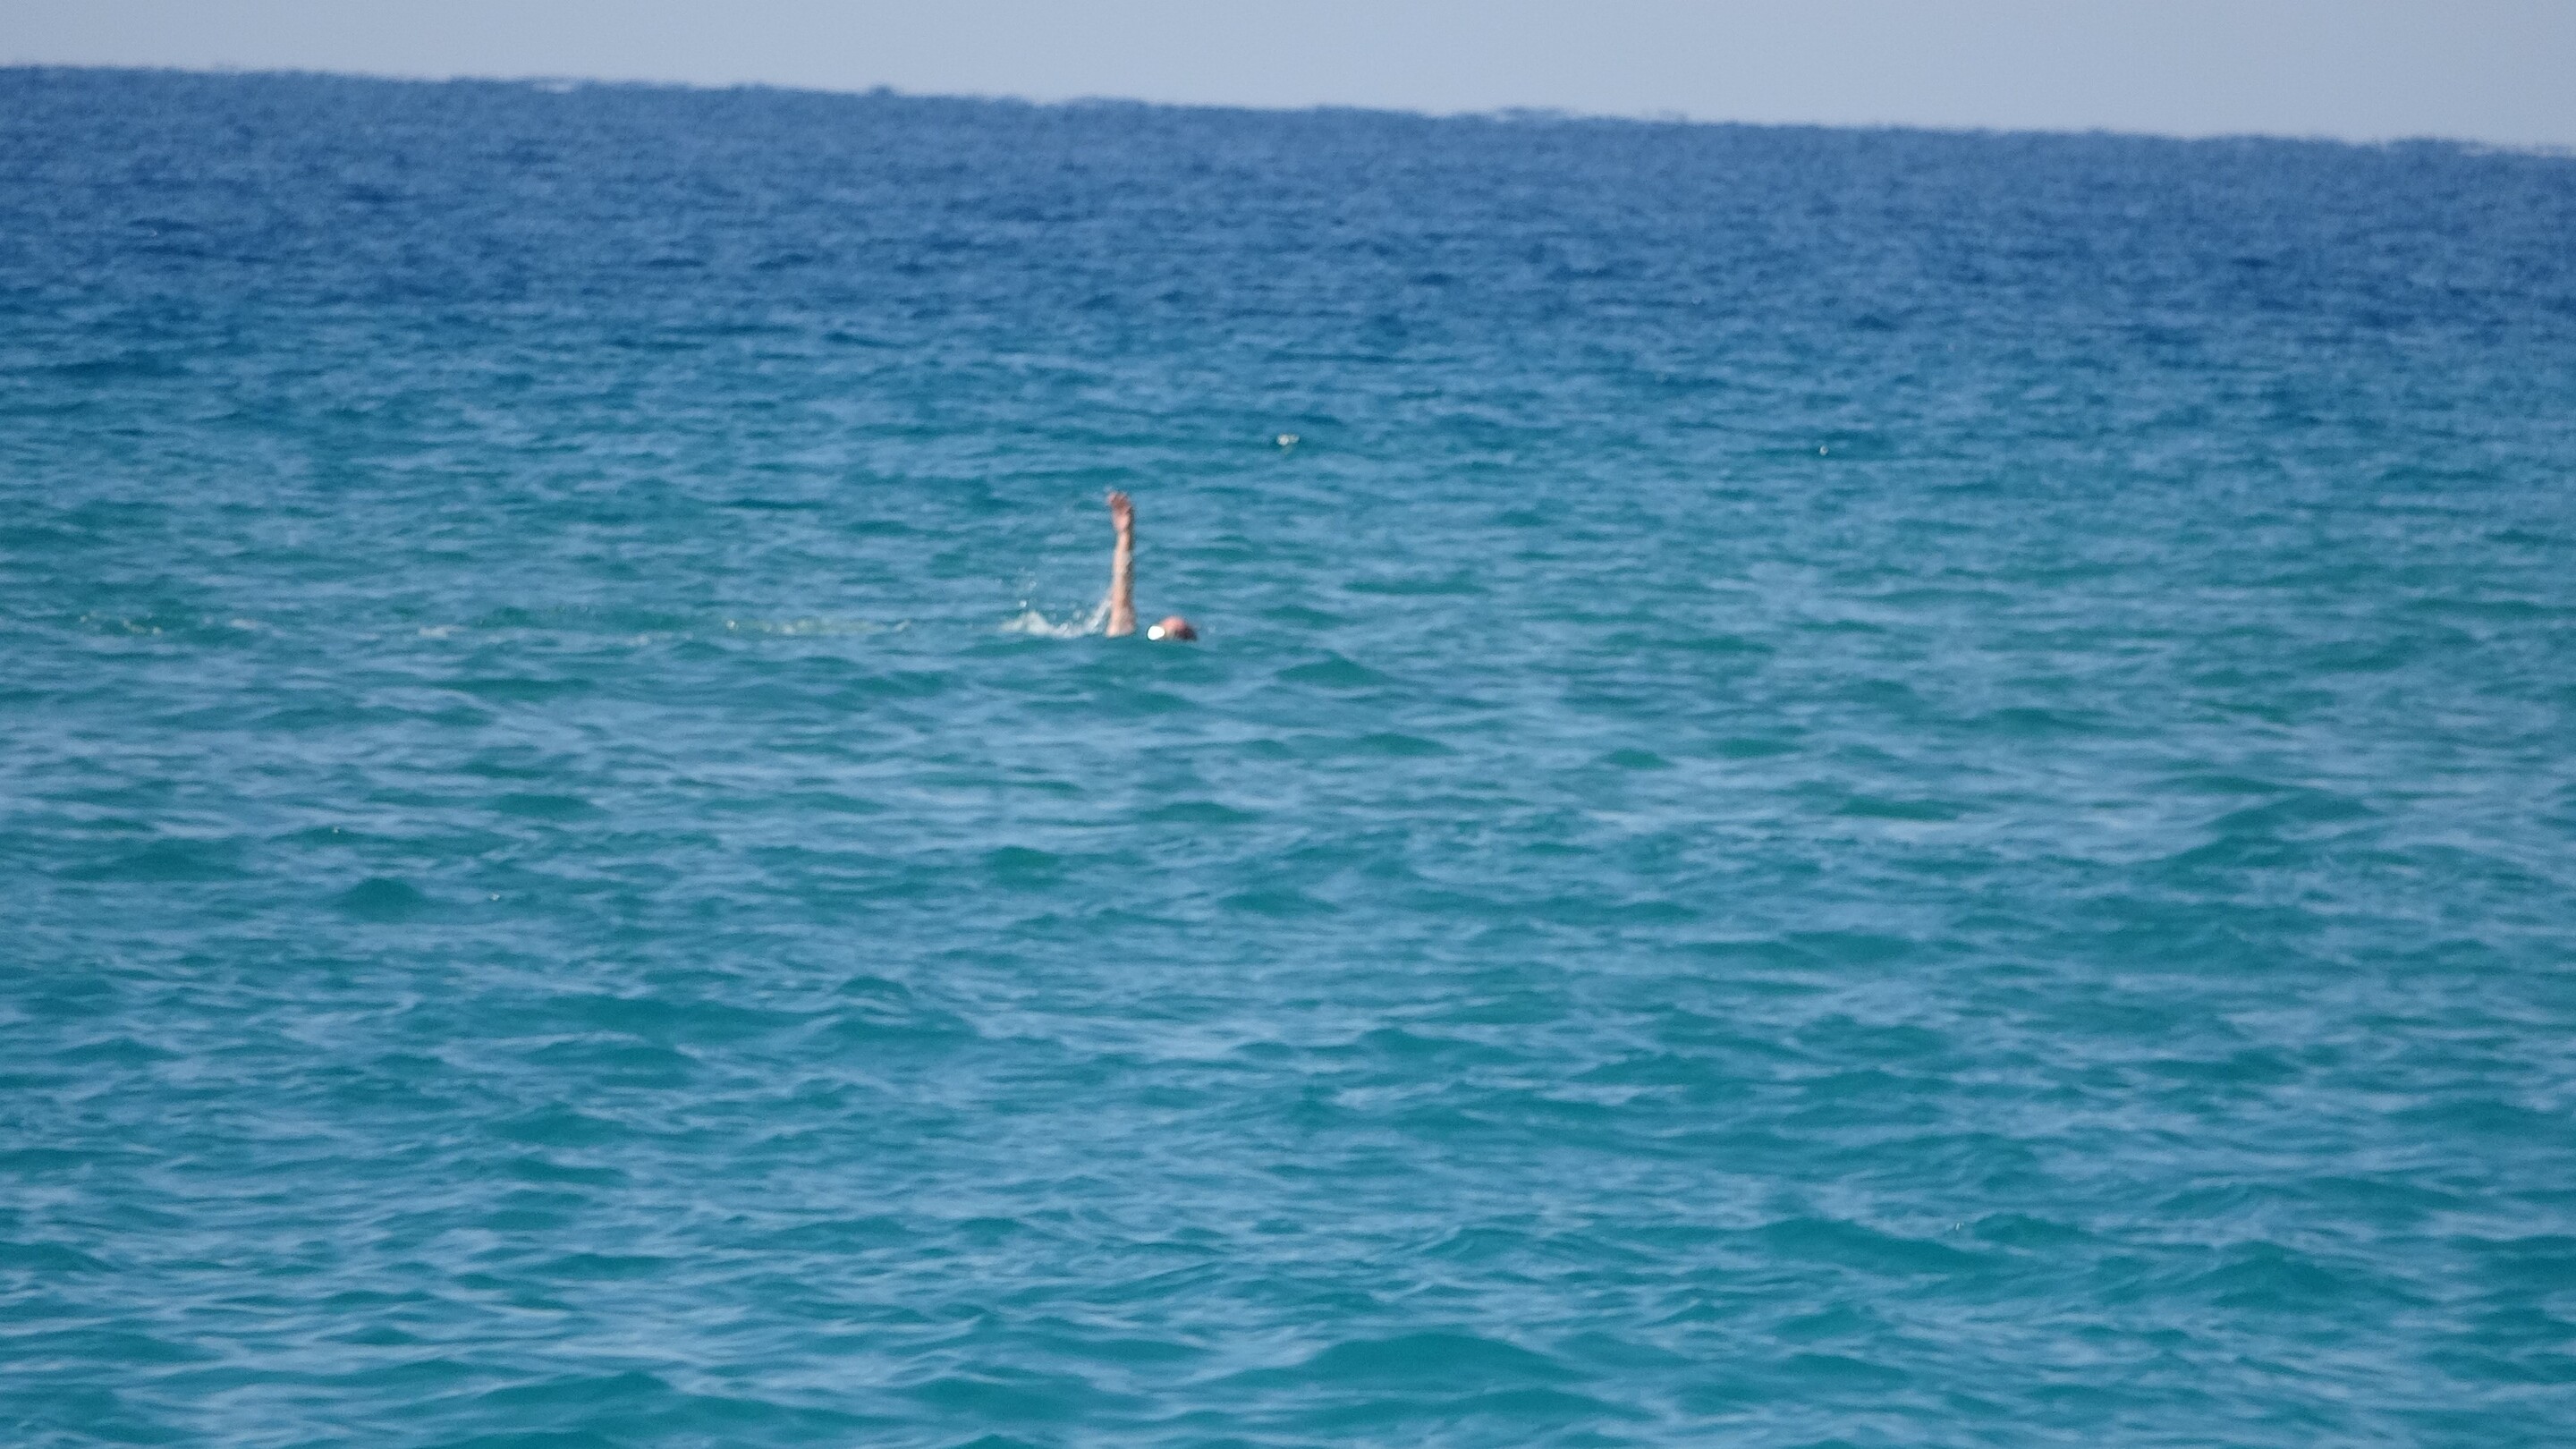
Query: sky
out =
(2496, 71)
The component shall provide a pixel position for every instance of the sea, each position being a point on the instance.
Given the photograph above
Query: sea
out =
(1840, 787)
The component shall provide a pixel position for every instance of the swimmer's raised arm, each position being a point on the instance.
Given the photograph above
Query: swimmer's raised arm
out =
(1122, 567)
(1122, 580)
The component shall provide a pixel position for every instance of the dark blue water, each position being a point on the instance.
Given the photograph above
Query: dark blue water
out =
(1859, 788)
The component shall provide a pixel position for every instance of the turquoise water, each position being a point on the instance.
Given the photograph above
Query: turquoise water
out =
(1858, 788)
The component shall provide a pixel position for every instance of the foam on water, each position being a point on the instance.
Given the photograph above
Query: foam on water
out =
(1859, 788)
(1072, 626)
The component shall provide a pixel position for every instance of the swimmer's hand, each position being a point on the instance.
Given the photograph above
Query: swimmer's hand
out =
(1121, 512)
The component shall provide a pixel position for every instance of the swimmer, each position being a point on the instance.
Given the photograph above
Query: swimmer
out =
(1122, 580)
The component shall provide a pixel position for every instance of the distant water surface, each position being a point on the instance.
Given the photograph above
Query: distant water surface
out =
(1856, 788)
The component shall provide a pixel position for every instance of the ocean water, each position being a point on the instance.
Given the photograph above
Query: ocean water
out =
(1850, 788)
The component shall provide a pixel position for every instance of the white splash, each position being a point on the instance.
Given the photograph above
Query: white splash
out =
(1030, 621)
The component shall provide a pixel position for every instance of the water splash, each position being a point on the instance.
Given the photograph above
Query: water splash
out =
(1032, 622)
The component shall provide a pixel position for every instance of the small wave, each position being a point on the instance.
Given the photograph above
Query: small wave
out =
(815, 626)
(658, 627)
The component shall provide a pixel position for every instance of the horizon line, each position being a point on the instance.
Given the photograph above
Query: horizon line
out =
(1508, 115)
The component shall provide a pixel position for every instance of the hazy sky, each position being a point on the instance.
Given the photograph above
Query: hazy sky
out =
(2490, 70)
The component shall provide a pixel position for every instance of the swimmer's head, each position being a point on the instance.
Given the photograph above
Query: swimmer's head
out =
(1173, 628)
